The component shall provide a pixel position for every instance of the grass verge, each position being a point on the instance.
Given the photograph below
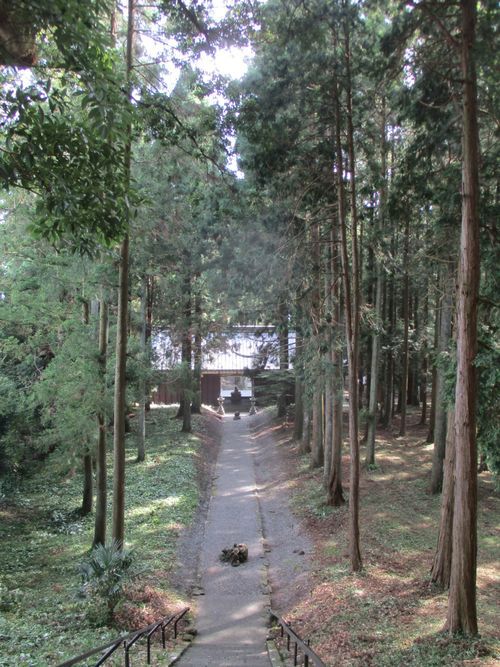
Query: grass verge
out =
(43, 621)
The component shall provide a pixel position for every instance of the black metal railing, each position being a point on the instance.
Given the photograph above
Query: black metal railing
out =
(299, 645)
(129, 640)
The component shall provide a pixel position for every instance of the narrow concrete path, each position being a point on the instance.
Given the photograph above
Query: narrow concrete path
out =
(232, 612)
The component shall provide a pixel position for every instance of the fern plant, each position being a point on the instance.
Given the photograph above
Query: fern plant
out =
(106, 572)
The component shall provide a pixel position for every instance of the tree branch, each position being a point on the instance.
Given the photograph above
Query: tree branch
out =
(189, 14)
(455, 43)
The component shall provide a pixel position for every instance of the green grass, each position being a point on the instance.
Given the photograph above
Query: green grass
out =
(43, 621)
(310, 500)
(438, 650)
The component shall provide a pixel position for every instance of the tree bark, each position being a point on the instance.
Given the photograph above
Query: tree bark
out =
(87, 485)
(101, 501)
(101, 474)
(462, 612)
(120, 399)
(196, 402)
(149, 331)
(374, 375)
(414, 374)
(187, 350)
(350, 274)
(388, 410)
(423, 385)
(298, 426)
(141, 425)
(329, 373)
(122, 330)
(317, 453)
(432, 415)
(335, 492)
(440, 414)
(406, 325)
(424, 360)
(305, 443)
(440, 572)
(283, 355)
(328, 430)
(87, 495)
(374, 371)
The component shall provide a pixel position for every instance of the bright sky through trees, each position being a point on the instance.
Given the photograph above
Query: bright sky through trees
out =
(229, 62)
(232, 62)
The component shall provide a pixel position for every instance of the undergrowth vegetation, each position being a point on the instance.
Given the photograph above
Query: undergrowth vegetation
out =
(390, 614)
(105, 573)
(44, 618)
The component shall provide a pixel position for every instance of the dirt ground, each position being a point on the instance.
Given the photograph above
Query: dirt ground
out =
(390, 613)
(288, 546)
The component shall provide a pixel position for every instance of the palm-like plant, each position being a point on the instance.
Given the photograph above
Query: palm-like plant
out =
(106, 572)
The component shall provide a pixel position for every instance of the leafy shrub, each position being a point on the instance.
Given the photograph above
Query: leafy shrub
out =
(105, 574)
(9, 599)
(69, 523)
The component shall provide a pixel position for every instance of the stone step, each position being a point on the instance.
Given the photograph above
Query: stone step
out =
(224, 656)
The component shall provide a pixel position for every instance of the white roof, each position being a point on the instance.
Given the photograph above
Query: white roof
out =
(245, 348)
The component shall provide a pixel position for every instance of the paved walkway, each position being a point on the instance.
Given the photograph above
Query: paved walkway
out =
(231, 618)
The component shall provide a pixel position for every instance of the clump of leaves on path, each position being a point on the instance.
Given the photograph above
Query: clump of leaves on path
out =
(235, 555)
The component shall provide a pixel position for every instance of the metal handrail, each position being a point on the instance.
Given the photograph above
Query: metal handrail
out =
(129, 640)
(291, 635)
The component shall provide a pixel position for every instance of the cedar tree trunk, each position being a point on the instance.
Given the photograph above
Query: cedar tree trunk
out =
(462, 612)
(350, 276)
(122, 331)
(101, 476)
(440, 572)
(440, 418)
(141, 425)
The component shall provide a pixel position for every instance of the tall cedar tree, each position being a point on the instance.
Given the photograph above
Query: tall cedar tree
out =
(101, 476)
(352, 323)
(462, 613)
(122, 329)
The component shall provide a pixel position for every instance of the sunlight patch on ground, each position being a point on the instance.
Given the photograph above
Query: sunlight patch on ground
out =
(175, 526)
(264, 433)
(488, 575)
(237, 491)
(9, 514)
(143, 510)
(382, 441)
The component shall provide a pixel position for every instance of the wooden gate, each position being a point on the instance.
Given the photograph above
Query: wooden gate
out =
(210, 389)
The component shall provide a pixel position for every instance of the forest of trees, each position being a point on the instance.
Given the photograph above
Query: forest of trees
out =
(344, 188)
